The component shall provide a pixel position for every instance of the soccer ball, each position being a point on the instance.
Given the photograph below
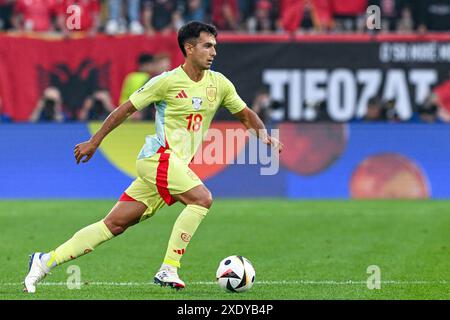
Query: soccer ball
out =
(235, 274)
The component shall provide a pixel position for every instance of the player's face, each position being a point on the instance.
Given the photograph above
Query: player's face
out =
(204, 51)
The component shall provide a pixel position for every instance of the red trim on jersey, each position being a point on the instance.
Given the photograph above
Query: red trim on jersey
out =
(161, 179)
(126, 197)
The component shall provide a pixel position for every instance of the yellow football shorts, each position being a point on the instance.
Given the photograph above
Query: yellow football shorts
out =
(159, 177)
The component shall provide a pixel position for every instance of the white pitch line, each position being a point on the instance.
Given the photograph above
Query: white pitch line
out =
(292, 282)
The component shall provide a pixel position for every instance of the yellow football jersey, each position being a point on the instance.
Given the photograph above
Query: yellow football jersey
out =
(184, 109)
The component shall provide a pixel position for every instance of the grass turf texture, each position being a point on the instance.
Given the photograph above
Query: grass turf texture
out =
(300, 250)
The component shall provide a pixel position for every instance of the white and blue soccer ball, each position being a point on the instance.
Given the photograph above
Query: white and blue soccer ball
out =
(235, 274)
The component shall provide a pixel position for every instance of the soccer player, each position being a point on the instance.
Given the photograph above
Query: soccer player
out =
(186, 99)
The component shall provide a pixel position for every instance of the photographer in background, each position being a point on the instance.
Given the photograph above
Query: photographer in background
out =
(96, 107)
(6, 11)
(49, 107)
(389, 112)
(269, 110)
(375, 111)
(261, 105)
(428, 112)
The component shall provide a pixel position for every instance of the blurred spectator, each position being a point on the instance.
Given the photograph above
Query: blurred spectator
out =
(162, 63)
(389, 112)
(261, 105)
(277, 112)
(6, 10)
(291, 13)
(374, 110)
(96, 107)
(306, 14)
(34, 15)
(269, 110)
(443, 115)
(134, 80)
(320, 14)
(117, 23)
(195, 10)
(89, 20)
(49, 107)
(247, 10)
(433, 15)
(225, 14)
(264, 18)
(349, 15)
(406, 21)
(148, 67)
(161, 16)
(428, 112)
(321, 111)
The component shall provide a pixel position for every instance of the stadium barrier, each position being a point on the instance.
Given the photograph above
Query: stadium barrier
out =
(343, 71)
(76, 67)
(323, 160)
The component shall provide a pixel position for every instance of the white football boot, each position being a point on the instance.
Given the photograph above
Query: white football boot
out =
(168, 277)
(36, 272)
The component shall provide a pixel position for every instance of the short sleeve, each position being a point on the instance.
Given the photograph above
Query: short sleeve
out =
(153, 91)
(231, 100)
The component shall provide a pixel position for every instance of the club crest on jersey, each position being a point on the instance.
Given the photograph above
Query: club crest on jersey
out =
(211, 93)
(197, 103)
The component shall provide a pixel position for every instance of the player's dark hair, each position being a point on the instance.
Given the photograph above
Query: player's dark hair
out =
(145, 58)
(191, 30)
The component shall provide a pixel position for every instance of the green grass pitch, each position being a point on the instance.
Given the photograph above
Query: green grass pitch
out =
(300, 250)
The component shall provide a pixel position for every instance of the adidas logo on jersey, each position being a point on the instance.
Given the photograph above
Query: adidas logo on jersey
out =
(181, 95)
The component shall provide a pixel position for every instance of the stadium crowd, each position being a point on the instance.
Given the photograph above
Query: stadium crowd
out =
(150, 16)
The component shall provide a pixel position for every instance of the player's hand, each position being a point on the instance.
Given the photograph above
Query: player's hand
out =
(84, 150)
(274, 143)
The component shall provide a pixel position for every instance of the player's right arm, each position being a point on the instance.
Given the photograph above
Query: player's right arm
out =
(116, 117)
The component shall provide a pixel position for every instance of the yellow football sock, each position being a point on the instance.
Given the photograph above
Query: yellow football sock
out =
(183, 229)
(82, 242)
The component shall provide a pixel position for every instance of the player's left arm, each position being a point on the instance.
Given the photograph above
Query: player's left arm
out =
(255, 125)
